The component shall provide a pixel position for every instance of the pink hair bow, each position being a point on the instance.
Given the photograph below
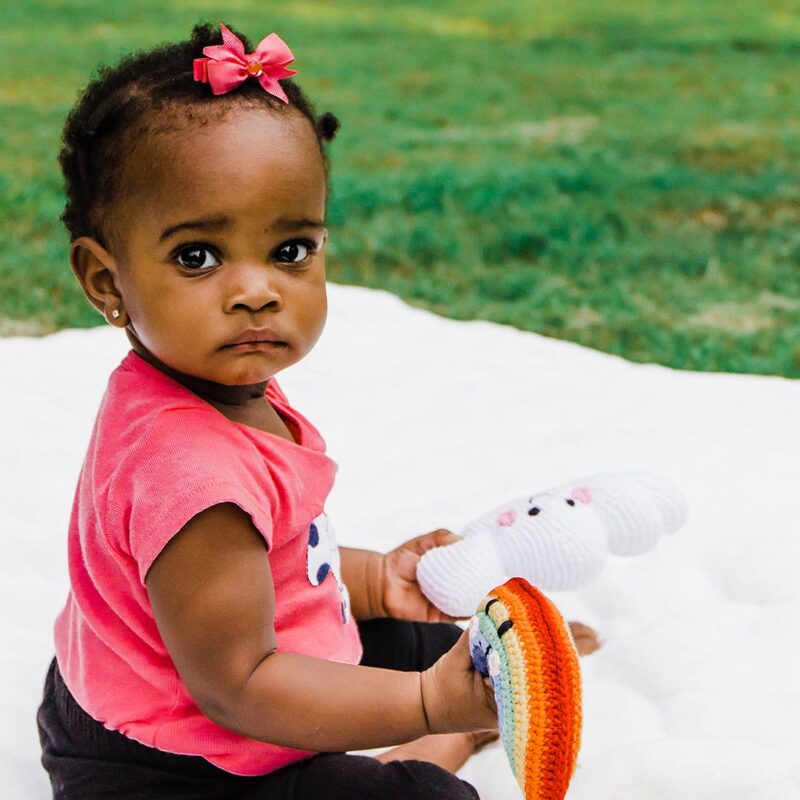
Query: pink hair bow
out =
(228, 65)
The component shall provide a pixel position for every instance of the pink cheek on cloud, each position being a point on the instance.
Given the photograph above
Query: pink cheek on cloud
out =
(507, 518)
(583, 494)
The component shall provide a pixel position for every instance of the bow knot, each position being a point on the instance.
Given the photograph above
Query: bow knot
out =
(227, 65)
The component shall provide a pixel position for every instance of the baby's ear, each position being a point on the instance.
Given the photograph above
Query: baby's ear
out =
(637, 509)
(96, 271)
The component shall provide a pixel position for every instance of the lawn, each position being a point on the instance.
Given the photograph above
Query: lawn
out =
(622, 174)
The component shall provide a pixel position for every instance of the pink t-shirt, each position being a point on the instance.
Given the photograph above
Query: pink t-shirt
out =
(158, 456)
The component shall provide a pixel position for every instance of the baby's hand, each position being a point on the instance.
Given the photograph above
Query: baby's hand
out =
(401, 596)
(456, 697)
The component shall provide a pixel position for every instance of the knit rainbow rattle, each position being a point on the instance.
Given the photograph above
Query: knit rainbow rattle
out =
(519, 639)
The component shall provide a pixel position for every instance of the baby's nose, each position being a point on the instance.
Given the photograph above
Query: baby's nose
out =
(254, 286)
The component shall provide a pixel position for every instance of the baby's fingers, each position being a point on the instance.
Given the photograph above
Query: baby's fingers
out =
(462, 657)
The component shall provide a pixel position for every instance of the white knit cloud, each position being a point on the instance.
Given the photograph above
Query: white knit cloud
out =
(556, 540)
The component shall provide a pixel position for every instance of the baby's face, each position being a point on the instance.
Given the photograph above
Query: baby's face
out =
(222, 233)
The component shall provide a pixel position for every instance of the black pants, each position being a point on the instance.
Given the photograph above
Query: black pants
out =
(86, 761)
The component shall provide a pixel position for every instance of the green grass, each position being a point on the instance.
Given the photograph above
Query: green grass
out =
(623, 174)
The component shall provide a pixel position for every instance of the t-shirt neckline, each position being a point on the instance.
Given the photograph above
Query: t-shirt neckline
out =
(282, 409)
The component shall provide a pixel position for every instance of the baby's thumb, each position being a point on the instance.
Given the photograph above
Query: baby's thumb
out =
(461, 651)
(441, 538)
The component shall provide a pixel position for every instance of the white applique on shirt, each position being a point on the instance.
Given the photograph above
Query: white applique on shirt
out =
(323, 557)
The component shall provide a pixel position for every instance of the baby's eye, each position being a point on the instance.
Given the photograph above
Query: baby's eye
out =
(197, 258)
(293, 252)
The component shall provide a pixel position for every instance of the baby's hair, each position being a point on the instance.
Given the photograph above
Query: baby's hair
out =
(121, 104)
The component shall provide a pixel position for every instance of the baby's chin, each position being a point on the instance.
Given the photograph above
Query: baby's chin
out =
(254, 388)
(249, 375)
(254, 382)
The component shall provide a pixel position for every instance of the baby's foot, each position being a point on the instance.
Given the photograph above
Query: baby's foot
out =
(481, 738)
(586, 639)
(447, 750)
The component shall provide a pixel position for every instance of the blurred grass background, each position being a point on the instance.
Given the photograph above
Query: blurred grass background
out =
(622, 174)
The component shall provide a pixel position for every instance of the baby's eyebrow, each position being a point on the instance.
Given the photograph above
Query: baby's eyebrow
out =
(215, 223)
(211, 223)
(285, 223)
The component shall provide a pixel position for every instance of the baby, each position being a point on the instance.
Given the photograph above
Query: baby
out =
(204, 651)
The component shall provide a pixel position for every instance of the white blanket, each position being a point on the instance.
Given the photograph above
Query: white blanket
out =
(432, 421)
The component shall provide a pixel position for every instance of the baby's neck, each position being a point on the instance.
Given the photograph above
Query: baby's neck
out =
(217, 394)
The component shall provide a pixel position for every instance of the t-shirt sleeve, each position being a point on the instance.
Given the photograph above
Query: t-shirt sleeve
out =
(184, 463)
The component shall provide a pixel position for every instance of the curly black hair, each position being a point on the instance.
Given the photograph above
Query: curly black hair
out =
(121, 104)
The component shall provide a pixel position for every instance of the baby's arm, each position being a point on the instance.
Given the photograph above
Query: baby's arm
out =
(361, 574)
(212, 596)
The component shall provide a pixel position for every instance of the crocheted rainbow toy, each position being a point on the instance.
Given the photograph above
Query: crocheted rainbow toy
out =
(519, 639)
